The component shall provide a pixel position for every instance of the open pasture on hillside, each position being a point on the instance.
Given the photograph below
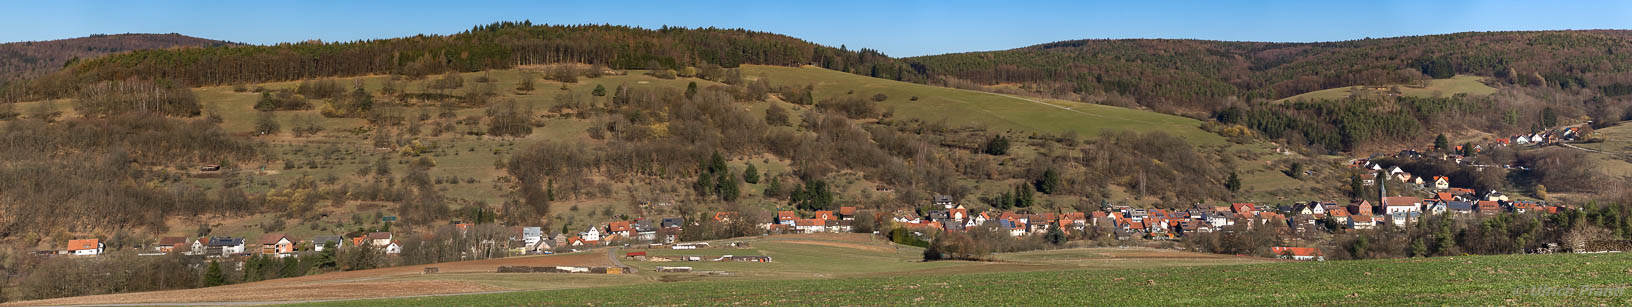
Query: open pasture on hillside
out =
(1460, 84)
(962, 108)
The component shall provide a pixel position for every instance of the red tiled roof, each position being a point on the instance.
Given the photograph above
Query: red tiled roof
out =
(1401, 201)
(1243, 207)
(272, 238)
(847, 210)
(1445, 196)
(825, 215)
(1296, 251)
(83, 244)
(809, 222)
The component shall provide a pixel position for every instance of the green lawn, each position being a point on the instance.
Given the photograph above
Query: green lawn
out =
(959, 108)
(1463, 281)
(1460, 84)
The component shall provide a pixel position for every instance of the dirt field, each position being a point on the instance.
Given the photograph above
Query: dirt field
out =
(386, 282)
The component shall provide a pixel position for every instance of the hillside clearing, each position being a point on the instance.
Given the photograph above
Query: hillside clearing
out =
(1459, 84)
(958, 107)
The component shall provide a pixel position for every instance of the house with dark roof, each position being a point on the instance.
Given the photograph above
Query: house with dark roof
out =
(218, 246)
(945, 201)
(320, 243)
(673, 222)
(1459, 207)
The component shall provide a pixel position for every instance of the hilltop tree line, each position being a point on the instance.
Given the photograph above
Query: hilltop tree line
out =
(493, 46)
(1179, 76)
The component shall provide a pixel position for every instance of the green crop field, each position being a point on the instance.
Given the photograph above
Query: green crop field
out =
(958, 107)
(1460, 84)
(1465, 281)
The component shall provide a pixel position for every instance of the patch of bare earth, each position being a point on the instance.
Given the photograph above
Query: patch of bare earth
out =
(339, 285)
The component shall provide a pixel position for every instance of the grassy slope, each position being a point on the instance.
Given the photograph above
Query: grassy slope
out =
(1617, 146)
(969, 108)
(1261, 174)
(1469, 280)
(473, 158)
(1471, 85)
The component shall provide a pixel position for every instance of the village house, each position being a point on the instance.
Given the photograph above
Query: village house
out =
(541, 246)
(321, 243)
(645, 230)
(1442, 183)
(619, 228)
(824, 215)
(1401, 218)
(1299, 253)
(218, 246)
(276, 243)
(380, 239)
(1341, 216)
(945, 201)
(531, 235)
(591, 234)
(842, 226)
(86, 247)
(1015, 228)
(786, 217)
(847, 213)
(1362, 222)
(1486, 207)
(673, 222)
(170, 244)
(1362, 207)
(810, 225)
(1459, 207)
(1433, 207)
(905, 216)
(1401, 204)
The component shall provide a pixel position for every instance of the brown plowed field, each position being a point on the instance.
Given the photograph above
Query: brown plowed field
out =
(340, 285)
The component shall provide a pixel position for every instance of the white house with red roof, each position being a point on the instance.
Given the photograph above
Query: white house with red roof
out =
(1299, 253)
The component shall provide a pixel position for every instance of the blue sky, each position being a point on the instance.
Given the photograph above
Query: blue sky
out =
(899, 28)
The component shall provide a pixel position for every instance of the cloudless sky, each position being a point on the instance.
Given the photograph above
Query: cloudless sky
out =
(898, 28)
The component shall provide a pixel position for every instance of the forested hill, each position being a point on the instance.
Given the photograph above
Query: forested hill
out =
(1195, 74)
(498, 45)
(30, 59)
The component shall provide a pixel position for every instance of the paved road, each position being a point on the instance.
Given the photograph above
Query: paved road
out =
(612, 254)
